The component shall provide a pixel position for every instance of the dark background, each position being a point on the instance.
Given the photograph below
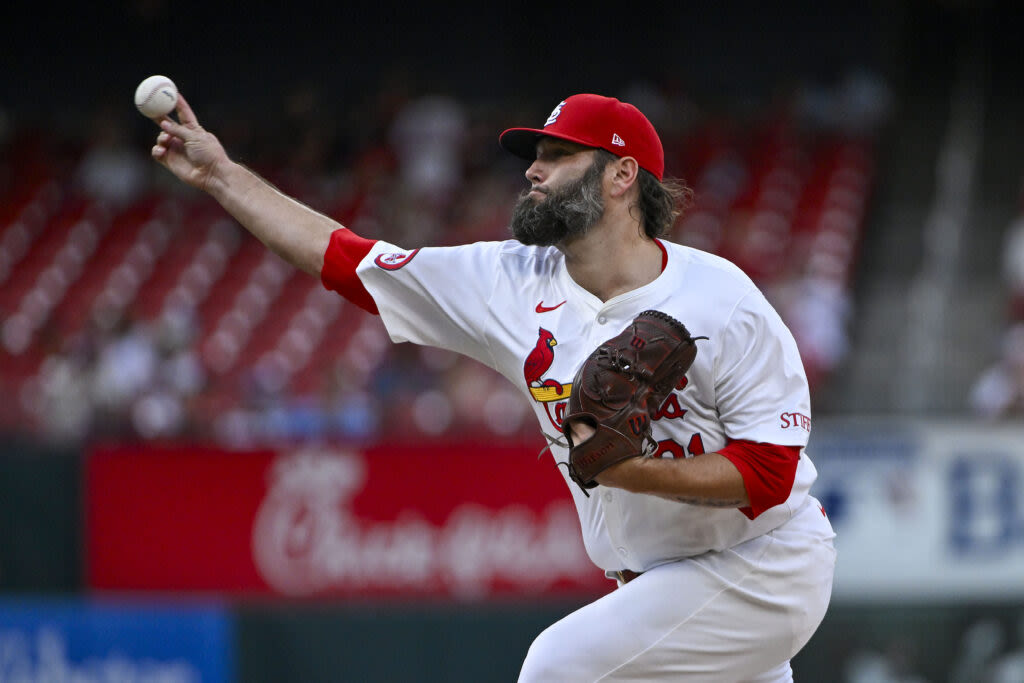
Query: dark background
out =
(64, 62)
(734, 48)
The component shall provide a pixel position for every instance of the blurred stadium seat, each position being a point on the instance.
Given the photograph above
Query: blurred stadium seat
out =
(785, 199)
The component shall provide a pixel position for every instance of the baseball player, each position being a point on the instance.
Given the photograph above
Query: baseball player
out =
(724, 561)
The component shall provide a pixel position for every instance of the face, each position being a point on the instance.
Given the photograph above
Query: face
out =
(565, 199)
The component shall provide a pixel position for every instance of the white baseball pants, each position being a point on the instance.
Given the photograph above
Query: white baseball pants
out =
(735, 616)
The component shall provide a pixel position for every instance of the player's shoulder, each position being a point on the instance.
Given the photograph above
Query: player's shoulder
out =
(712, 270)
(510, 258)
(721, 287)
(510, 250)
(517, 250)
(516, 256)
(724, 295)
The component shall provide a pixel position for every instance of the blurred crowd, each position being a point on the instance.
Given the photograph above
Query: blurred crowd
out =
(133, 307)
(998, 393)
(988, 650)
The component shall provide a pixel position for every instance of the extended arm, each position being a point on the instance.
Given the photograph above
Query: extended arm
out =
(295, 232)
(747, 475)
(710, 479)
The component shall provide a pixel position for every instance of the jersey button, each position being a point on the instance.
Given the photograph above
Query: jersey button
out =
(602, 320)
(608, 496)
(623, 552)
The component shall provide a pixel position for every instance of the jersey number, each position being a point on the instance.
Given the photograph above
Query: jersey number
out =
(694, 447)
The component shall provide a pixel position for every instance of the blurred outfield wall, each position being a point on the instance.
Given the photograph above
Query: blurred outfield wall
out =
(929, 516)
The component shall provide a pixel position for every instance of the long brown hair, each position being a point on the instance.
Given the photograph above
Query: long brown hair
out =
(660, 201)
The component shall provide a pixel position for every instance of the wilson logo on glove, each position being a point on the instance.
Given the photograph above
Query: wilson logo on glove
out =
(638, 424)
(620, 388)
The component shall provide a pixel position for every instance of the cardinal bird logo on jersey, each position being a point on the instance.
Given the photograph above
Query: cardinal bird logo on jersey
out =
(539, 360)
(552, 393)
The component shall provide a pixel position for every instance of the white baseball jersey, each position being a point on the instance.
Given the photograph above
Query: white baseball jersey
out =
(516, 309)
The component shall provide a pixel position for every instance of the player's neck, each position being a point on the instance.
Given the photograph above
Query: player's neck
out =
(612, 259)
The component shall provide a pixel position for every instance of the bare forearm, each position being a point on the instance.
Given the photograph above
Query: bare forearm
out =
(708, 479)
(291, 229)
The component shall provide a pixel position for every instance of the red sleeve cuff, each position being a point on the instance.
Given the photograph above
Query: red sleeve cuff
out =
(344, 252)
(768, 472)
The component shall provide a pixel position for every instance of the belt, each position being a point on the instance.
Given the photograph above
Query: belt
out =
(626, 575)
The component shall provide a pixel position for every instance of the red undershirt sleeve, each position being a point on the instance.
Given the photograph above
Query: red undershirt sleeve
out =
(768, 472)
(344, 252)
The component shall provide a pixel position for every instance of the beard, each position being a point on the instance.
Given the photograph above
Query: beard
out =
(567, 212)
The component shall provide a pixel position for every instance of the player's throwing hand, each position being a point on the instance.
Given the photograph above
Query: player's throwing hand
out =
(186, 149)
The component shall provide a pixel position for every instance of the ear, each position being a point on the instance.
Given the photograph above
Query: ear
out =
(624, 174)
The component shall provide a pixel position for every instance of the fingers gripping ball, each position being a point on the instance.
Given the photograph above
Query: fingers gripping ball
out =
(620, 387)
(156, 96)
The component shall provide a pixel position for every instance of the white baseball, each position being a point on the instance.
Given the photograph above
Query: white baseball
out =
(156, 96)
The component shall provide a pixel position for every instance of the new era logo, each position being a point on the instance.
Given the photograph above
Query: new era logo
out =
(617, 141)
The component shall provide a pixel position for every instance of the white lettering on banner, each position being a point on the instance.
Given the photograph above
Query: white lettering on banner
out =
(49, 661)
(305, 540)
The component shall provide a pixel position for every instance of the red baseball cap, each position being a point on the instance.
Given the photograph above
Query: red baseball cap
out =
(595, 121)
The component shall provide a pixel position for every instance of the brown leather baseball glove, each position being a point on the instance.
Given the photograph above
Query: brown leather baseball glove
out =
(620, 387)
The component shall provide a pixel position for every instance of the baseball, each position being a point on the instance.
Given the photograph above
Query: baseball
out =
(156, 96)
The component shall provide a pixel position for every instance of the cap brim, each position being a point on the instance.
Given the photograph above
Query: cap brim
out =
(523, 141)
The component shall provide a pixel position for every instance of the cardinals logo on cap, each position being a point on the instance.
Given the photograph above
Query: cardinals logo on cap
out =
(554, 114)
(594, 121)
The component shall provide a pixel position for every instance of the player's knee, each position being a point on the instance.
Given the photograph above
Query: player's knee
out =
(548, 660)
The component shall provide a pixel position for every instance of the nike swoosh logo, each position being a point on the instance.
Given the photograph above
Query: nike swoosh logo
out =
(541, 308)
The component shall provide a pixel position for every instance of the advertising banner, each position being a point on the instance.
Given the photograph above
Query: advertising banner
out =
(923, 510)
(460, 521)
(87, 641)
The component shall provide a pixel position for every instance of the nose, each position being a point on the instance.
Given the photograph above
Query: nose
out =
(535, 173)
